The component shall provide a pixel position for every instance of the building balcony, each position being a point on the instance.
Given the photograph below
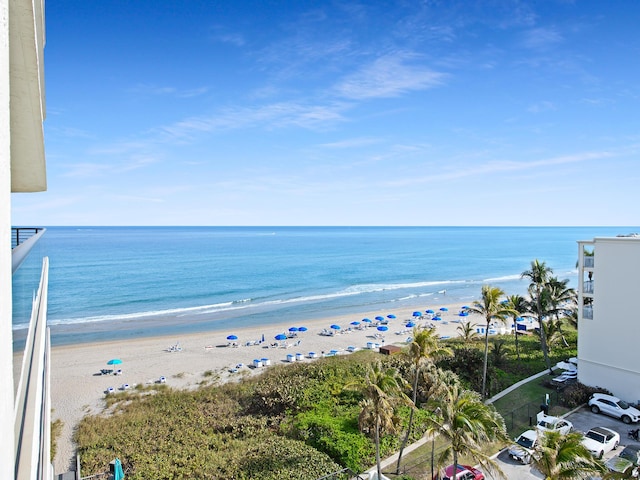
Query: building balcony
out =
(587, 312)
(588, 261)
(587, 287)
(19, 235)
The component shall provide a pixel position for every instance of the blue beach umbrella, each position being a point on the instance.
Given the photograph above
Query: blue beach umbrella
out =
(293, 329)
(465, 307)
(410, 324)
(463, 314)
(417, 314)
(444, 309)
(383, 328)
(232, 337)
(391, 316)
(379, 318)
(335, 327)
(431, 312)
(280, 336)
(302, 329)
(355, 322)
(367, 320)
(114, 361)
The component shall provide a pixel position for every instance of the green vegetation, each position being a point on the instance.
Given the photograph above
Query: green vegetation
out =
(56, 429)
(310, 420)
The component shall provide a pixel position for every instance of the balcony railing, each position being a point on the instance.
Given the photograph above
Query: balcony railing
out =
(587, 312)
(588, 261)
(587, 287)
(22, 234)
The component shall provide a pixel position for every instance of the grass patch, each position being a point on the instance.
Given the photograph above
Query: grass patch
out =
(519, 408)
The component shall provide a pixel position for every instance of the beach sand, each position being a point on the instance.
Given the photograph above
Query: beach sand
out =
(78, 388)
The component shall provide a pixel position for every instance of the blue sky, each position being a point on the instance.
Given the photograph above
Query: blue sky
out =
(340, 113)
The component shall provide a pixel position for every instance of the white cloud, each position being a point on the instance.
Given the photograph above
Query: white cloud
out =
(389, 76)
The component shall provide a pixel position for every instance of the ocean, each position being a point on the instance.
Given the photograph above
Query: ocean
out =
(107, 283)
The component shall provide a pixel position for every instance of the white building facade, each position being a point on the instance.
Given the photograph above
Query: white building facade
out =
(608, 328)
(24, 401)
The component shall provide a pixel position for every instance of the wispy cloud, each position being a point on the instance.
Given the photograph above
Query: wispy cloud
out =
(496, 167)
(544, 106)
(352, 143)
(389, 76)
(275, 115)
(541, 38)
(156, 90)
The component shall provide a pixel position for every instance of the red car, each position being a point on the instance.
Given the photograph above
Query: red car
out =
(465, 472)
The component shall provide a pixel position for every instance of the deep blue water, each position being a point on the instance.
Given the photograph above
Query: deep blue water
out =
(109, 282)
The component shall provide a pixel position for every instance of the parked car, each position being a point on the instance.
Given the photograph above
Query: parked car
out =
(601, 440)
(619, 465)
(522, 450)
(548, 423)
(465, 472)
(613, 406)
(632, 453)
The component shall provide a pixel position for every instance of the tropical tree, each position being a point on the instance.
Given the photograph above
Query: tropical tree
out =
(561, 299)
(467, 331)
(538, 276)
(466, 424)
(519, 305)
(499, 352)
(564, 457)
(491, 308)
(423, 348)
(383, 390)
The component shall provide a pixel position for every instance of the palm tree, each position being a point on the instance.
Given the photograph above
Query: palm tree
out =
(424, 348)
(466, 424)
(564, 457)
(467, 331)
(490, 308)
(561, 299)
(519, 305)
(499, 352)
(539, 275)
(382, 390)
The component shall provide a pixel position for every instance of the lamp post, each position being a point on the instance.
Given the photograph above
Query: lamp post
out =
(437, 412)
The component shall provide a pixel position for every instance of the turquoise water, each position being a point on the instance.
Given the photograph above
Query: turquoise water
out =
(114, 282)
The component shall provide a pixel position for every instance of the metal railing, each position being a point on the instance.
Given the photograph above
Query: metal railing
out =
(587, 312)
(20, 235)
(588, 261)
(587, 287)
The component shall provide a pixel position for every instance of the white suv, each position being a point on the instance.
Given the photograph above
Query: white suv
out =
(613, 406)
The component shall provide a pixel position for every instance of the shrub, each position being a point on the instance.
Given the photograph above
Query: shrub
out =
(578, 394)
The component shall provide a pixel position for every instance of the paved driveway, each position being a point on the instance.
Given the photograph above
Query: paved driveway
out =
(582, 420)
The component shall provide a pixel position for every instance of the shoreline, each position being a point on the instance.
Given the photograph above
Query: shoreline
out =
(78, 388)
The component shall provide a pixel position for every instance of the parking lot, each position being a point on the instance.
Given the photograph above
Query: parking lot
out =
(582, 420)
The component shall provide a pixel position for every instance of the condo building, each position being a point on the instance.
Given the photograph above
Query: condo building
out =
(608, 296)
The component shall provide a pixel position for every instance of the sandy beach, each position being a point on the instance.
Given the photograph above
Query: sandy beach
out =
(78, 387)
